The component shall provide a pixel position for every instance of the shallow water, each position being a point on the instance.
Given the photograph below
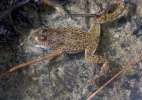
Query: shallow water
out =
(68, 76)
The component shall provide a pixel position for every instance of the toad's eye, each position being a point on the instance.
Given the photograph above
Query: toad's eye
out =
(42, 38)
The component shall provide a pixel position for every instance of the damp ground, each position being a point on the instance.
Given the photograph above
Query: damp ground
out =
(68, 76)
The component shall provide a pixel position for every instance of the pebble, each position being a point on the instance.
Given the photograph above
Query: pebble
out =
(116, 36)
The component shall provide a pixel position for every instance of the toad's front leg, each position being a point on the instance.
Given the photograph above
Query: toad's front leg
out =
(89, 55)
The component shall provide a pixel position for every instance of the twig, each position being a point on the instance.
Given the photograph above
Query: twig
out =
(134, 60)
(100, 8)
(86, 12)
(29, 62)
(84, 15)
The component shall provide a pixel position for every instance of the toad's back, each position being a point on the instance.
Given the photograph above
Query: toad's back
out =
(70, 40)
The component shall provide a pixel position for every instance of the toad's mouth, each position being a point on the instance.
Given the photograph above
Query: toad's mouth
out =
(35, 40)
(41, 46)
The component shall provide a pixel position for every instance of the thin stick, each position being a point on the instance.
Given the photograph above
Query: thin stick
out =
(28, 63)
(100, 8)
(134, 60)
(85, 15)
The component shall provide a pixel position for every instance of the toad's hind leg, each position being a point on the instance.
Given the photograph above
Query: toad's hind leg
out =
(89, 51)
